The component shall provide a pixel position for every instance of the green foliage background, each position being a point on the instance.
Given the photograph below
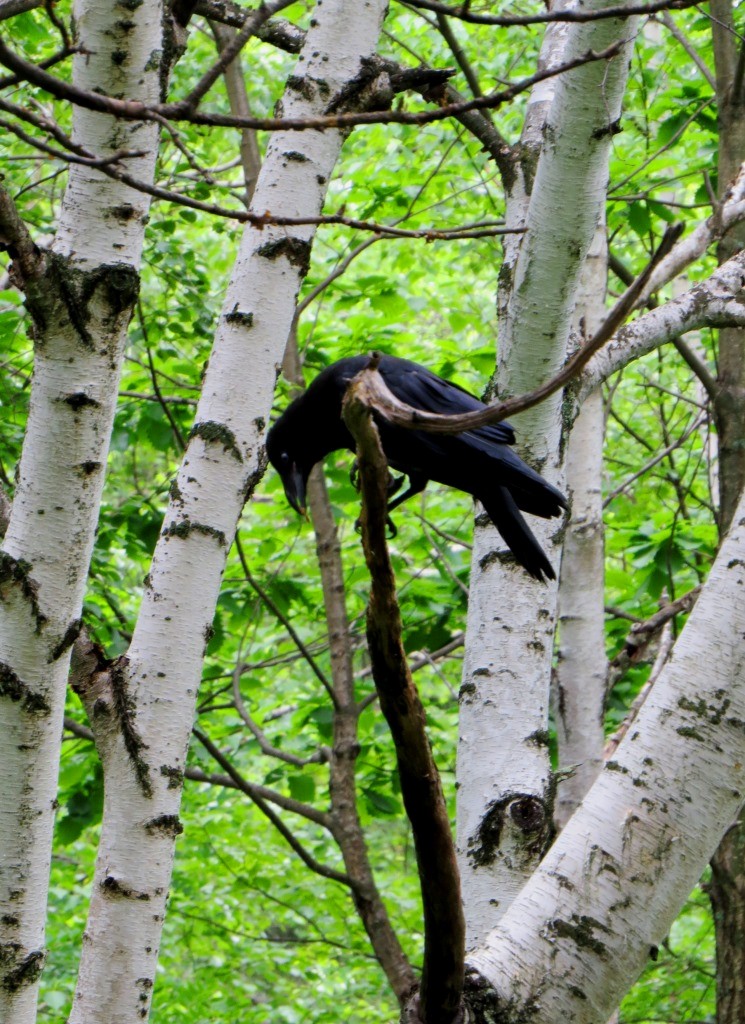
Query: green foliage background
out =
(251, 934)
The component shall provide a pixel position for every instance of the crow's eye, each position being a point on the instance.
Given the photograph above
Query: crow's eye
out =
(284, 457)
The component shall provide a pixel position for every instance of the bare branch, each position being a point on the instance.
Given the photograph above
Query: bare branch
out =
(457, 51)
(253, 792)
(637, 642)
(154, 377)
(280, 33)
(689, 48)
(696, 364)
(265, 744)
(673, 446)
(109, 166)
(9, 8)
(403, 415)
(688, 249)
(345, 748)
(231, 51)
(275, 610)
(138, 111)
(444, 925)
(572, 14)
(16, 239)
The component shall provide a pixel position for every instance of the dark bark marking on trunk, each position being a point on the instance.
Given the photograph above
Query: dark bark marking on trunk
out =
(66, 641)
(218, 433)
(22, 970)
(15, 572)
(186, 527)
(125, 711)
(13, 687)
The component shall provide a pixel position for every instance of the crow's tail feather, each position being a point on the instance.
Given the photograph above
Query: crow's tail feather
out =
(501, 508)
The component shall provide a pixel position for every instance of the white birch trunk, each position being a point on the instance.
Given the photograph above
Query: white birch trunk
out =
(581, 667)
(610, 887)
(156, 684)
(504, 798)
(81, 306)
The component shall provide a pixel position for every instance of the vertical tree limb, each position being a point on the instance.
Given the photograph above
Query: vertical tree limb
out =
(347, 828)
(444, 924)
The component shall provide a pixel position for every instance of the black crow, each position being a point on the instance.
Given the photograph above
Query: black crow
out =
(479, 462)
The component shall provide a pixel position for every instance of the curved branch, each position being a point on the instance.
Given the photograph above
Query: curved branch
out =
(277, 611)
(378, 395)
(261, 802)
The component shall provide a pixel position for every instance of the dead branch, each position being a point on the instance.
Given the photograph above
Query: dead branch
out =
(348, 829)
(444, 925)
(642, 633)
(402, 415)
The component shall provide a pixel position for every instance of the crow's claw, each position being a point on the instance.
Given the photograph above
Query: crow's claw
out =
(388, 522)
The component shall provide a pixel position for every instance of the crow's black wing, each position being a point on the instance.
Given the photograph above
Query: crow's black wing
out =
(424, 390)
(474, 460)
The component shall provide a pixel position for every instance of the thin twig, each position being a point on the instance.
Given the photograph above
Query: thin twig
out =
(266, 747)
(154, 377)
(689, 48)
(637, 641)
(572, 14)
(252, 24)
(262, 804)
(276, 610)
(655, 460)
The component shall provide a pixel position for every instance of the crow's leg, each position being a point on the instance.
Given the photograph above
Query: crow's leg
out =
(394, 482)
(416, 486)
(388, 522)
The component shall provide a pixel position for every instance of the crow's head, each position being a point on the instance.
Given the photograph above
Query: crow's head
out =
(285, 454)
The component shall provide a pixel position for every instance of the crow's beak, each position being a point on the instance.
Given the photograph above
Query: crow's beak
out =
(295, 489)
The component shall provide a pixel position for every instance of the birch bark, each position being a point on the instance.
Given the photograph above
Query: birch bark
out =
(146, 707)
(581, 667)
(504, 796)
(609, 888)
(80, 304)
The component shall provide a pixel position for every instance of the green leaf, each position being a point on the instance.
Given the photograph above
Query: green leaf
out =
(382, 803)
(639, 218)
(302, 787)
